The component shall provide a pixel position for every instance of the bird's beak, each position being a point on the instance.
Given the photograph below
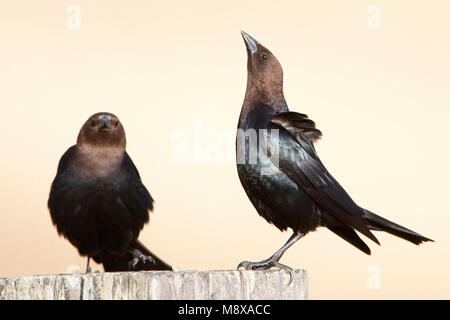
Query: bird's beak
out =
(104, 124)
(250, 43)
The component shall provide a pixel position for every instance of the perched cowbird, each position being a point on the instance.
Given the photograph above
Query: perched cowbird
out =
(98, 202)
(281, 172)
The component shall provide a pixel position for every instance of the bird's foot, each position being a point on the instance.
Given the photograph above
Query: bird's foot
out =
(267, 264)
(138, 256)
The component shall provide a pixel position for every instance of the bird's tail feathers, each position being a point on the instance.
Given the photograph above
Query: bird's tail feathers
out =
(349, 235)
(375, 222)
(114, 263)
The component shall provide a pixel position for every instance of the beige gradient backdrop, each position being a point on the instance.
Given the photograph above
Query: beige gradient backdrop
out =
(381, 98)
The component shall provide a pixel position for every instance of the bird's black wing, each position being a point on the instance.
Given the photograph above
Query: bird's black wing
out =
(136, 178)
(130, 200)
(299, 125)
(293, 153)
(62, 192)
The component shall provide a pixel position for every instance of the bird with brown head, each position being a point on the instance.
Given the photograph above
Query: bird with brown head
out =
(98, 202)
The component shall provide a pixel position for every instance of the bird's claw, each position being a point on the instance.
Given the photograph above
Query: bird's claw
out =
(243, 264)
(138, 256)
(261, 265)
(265, 265)
(287, 269)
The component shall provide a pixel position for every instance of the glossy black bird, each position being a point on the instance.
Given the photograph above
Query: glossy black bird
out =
(281, 172)
(98, 202)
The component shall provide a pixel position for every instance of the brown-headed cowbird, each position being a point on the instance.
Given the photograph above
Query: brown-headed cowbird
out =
(286, 181)
(98, 202)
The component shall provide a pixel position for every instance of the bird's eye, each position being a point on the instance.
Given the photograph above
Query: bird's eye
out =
(264, 56)
(93, 122)
(116, 123)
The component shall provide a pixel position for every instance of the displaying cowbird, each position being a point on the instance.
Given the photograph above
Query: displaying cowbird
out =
(98, 202)
(281, 172)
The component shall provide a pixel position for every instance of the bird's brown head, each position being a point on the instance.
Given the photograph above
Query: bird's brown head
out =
(265, 75)
(102, 130)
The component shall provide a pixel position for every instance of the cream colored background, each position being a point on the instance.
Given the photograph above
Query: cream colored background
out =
(381, 98)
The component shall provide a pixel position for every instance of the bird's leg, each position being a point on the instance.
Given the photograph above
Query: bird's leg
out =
(273, 260)
(139, 256)
(88, 268)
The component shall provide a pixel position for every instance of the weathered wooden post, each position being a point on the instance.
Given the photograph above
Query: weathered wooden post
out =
(180, 285)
